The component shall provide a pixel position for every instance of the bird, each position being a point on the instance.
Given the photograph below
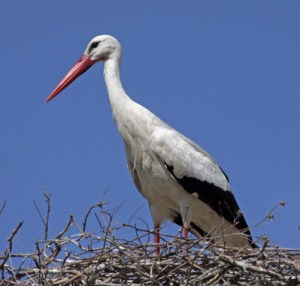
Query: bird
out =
(181, 181)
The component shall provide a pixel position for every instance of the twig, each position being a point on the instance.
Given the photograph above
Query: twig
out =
(75, 257)
(47, 197)
(84, 224)
(2, 207)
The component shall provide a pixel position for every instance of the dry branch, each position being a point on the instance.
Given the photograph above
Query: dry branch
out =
(77, 257)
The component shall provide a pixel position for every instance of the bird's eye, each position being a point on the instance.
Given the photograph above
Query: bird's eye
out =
(94, 45)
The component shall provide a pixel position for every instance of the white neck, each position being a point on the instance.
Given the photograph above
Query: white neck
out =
(131, 118)
(122, 106)
(117, 95)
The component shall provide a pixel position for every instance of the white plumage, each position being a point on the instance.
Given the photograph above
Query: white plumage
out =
(181, 181)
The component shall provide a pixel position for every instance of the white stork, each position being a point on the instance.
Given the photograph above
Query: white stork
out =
(180, 180)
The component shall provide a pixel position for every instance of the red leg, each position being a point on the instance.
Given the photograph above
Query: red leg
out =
(185, 236)
(156, 237)
(185, 232)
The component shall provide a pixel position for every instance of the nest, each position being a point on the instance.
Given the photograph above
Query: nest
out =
(78, 257)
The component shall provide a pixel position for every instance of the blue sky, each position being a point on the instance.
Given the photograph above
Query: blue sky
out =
(224, 73)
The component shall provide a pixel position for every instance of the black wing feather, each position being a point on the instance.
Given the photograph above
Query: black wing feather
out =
(222, 202)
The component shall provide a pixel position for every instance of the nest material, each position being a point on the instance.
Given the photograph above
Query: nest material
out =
(103, 258)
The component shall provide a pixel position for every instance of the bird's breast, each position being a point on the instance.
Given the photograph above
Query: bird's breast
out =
(155, 182)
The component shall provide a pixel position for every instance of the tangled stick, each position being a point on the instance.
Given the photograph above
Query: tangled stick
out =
(78, 257)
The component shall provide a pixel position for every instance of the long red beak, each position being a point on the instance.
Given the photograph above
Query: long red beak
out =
(80, 67)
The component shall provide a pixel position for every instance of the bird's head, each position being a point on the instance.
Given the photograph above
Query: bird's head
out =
(100, 48)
